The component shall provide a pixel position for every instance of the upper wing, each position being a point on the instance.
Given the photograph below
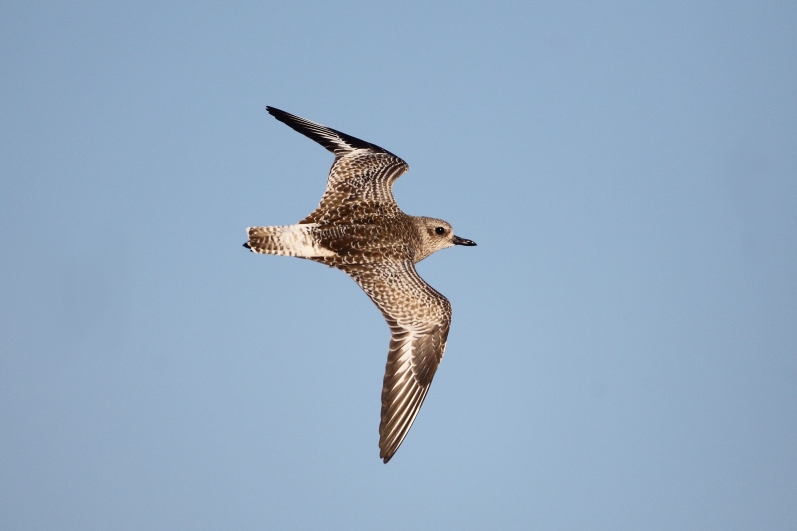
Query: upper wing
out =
(362, 171)
(419, 318)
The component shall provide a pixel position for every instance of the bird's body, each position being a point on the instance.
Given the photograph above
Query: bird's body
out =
(359, 228)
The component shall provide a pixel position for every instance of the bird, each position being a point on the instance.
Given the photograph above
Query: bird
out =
(359, 229)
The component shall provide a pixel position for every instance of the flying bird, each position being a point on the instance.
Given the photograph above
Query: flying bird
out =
(359, 228)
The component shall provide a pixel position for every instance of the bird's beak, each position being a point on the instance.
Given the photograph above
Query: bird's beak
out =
(463, 241)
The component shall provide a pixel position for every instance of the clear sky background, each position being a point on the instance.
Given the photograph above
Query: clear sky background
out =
(623, 353)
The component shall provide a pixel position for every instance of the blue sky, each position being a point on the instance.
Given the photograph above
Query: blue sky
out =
(623, 353)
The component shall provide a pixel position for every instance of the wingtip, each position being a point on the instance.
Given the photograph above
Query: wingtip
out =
(289, 119)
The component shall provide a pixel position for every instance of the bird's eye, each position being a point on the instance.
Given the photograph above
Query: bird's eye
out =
(440, 231)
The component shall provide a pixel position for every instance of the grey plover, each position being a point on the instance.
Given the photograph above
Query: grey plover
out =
(359, 228)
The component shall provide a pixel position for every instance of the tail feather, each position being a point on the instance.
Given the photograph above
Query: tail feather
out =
(286, 240)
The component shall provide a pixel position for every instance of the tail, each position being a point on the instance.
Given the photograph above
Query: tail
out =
(286, 240)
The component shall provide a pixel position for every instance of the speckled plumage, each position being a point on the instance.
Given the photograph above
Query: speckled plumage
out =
(359, 228)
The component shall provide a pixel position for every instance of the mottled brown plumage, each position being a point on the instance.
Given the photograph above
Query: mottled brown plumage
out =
(359, 228)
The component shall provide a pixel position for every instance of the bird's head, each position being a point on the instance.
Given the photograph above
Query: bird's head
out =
(438, 234)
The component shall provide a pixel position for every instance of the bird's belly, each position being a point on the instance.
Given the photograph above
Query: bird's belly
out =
(363, 244)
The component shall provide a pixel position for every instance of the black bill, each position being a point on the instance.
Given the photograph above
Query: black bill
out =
(463, 241)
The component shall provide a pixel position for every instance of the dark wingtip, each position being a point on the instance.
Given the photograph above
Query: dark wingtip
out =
(279, 114)
(247, 246)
